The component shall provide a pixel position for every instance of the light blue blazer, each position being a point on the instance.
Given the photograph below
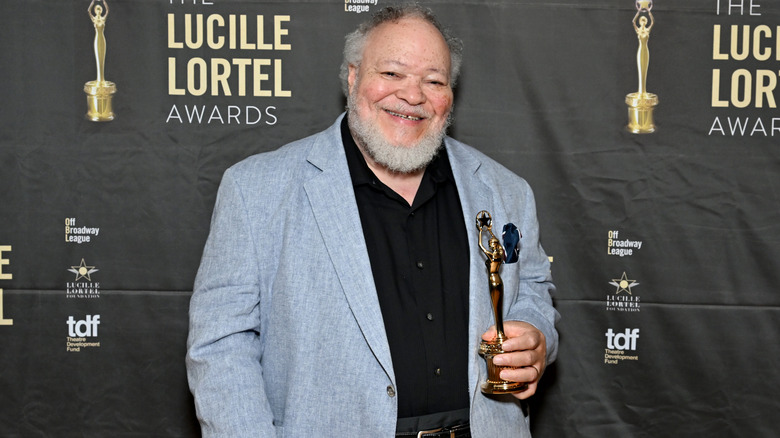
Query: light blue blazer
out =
(286, 335)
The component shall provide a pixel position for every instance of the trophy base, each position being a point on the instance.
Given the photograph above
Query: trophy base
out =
(640, 112)
(494, 384)
(99, 95)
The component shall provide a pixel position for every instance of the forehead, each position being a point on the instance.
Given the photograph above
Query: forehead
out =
(411, 41)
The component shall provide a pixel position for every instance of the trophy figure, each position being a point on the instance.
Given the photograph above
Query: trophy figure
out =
(100, 91)
(641, 103)
(495, 254)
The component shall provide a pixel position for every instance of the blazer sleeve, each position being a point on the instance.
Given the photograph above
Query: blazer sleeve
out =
(223, 348)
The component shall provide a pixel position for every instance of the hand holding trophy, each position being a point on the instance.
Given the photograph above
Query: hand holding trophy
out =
(496, 255)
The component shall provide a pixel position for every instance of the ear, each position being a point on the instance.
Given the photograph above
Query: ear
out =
(352, 77)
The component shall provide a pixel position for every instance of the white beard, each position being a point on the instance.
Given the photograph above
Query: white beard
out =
(400, 159)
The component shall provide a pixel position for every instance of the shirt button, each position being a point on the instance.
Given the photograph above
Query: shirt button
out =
(420, 265)
(390, 391)
(437, 371)
(429, 316)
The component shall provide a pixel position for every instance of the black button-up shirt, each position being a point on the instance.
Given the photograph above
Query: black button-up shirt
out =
(420, 263)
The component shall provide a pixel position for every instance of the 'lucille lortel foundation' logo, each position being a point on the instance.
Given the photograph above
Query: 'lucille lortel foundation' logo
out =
(623, 298)
(83, 285)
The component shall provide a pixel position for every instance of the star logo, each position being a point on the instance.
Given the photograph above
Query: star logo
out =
(484, 221)
(83, 271)
(623, 284)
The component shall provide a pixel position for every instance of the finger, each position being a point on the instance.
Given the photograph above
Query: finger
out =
(528, 392)
(528, 374)
(525, 341)
(518, 328)
(518, 359)
(531, 386)
(490, 334)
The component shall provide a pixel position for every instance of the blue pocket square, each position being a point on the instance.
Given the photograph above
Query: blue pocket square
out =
(511, 237)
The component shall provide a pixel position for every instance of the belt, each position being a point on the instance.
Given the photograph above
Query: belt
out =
(461, 431)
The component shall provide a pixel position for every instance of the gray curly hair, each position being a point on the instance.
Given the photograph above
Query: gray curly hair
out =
(356, 40)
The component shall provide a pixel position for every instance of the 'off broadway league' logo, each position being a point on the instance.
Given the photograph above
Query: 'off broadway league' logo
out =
(79, 234)
(621, 246)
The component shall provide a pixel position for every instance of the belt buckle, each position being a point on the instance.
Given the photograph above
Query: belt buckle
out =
(423, 432)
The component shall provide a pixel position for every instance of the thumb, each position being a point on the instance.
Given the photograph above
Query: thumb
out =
(490, 334)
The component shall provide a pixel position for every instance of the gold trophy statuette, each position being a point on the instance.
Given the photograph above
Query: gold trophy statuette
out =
(488, 349)
(100, 91)
(641, 103)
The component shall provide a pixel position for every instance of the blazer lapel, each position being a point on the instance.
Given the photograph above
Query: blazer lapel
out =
(335, 210)
(475, 196)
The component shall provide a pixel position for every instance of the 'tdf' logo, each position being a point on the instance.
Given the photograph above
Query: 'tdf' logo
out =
(84, 328)
(622, 341)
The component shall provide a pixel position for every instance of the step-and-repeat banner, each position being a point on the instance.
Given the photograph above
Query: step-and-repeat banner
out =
(649, 131)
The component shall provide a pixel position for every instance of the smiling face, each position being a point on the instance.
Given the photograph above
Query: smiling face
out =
(400, 96)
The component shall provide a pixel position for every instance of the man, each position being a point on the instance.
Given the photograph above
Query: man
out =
(342, 291)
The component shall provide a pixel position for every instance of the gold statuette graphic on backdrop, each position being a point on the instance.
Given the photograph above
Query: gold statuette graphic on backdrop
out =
(100, 91)
(496, 255)
(642, 103)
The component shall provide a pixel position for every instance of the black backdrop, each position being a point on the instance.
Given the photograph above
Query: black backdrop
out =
(678, 336)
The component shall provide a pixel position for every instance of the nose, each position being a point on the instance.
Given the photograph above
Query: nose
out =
(411, 92)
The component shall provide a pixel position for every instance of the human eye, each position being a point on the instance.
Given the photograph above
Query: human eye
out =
(437, 82)
(436, 79)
